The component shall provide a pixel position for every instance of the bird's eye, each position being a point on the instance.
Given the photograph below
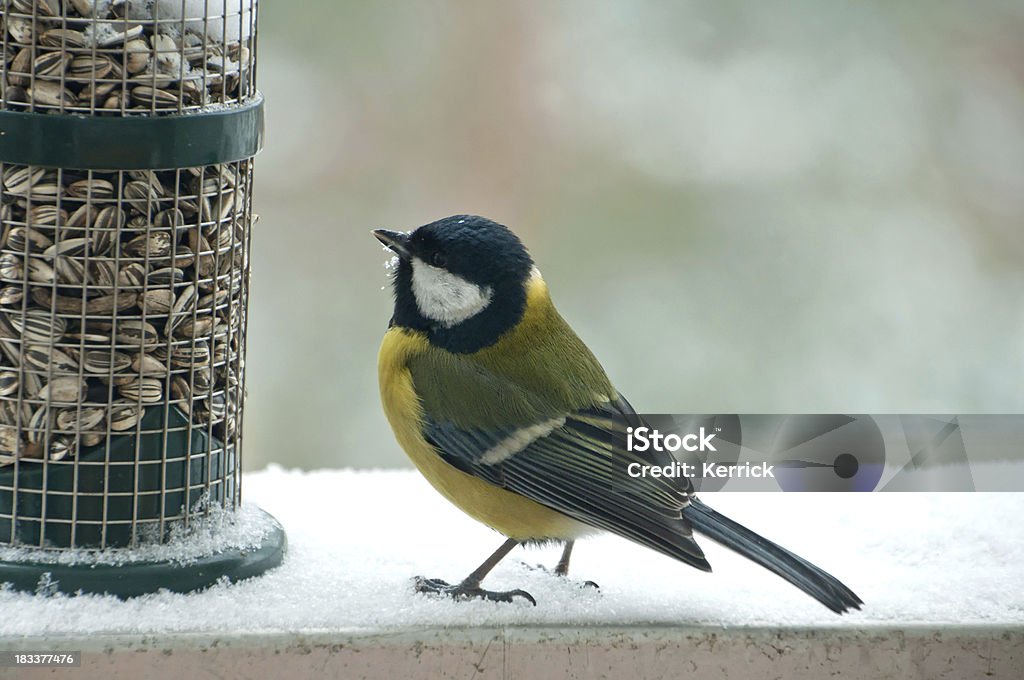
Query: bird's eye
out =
(438, 259)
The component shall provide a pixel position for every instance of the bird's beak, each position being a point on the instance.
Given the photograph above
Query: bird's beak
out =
(395, 240)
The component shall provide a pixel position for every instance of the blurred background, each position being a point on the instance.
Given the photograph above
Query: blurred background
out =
(741, 207)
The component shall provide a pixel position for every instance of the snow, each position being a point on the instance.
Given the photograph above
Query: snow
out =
(356, 538)
(218, 531)
(234, 14)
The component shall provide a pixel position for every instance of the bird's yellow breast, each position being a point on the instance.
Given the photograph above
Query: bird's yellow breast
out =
(507, 512)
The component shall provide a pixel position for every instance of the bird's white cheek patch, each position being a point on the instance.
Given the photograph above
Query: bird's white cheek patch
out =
(444, 297)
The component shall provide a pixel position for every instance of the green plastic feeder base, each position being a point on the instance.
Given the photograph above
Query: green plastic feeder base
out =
(139, 578)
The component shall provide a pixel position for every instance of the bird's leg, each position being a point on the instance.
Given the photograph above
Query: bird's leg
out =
(470, 586)
(562, 568)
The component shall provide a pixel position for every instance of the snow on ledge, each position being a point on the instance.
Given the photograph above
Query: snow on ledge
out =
(216, 532)
(357, 538)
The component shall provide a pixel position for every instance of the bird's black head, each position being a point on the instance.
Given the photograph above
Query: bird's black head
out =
(461, 280)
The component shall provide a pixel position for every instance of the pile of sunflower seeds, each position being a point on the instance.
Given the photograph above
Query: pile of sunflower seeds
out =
(119, 291)
(98, 57)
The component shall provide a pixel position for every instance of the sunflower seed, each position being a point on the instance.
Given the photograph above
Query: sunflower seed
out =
(85, 8)
(189, 355)
(133, 332)
(124, 415)
(50, 359)
(218, 406)
(61, 447)
(111, 218)
(42, 8)
(147, 364)
(156, 244)
(15, 95)
(21, 29)
(50, 65)
(60, 303)
(9, 383)
(132, 276)
(141, 195)
(183, 257)
(11, 295)
(102, 274)
(105, 362)
(155, 96)
(113, 103)
(195, 328)
(48, 186)
(91, 338)
(67, 390)
(67, 247)
(40, 422)
(10, 442)
(11, 266)
(50, 94)
(91, 438)
(207, 263)
(95, 92)
(137, 56)
(146, 390)
(79, 419)
(87, 68)
(18, 181)
(181, 309)
(70, 271)
(38, 326)
(46, 215)
(40, 272)
(78, 222)
(201, 380)
(62, 37)
(101, 242)
(104, 305)
(181, 392)
(20, 68)
(220, 352)
(94, 188)
(165, 277)
(25, 240)
(157, 301)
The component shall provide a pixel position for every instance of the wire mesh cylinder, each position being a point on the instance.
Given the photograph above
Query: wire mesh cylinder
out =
(123, 292)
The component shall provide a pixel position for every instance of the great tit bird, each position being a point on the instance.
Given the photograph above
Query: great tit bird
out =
(510, 417)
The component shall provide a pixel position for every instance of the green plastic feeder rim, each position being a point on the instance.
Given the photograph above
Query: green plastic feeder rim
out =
(134, 142)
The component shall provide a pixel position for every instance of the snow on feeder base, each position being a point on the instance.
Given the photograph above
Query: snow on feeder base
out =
(127, 131)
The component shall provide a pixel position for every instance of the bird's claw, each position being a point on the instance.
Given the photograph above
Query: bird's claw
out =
(561, 574)
(462, 591)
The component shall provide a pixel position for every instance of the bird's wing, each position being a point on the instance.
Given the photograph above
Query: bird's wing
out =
(574, 461)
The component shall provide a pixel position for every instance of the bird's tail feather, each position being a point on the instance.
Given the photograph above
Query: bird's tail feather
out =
(814, 581)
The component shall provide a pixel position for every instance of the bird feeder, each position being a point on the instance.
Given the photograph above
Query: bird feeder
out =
(127, 133)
